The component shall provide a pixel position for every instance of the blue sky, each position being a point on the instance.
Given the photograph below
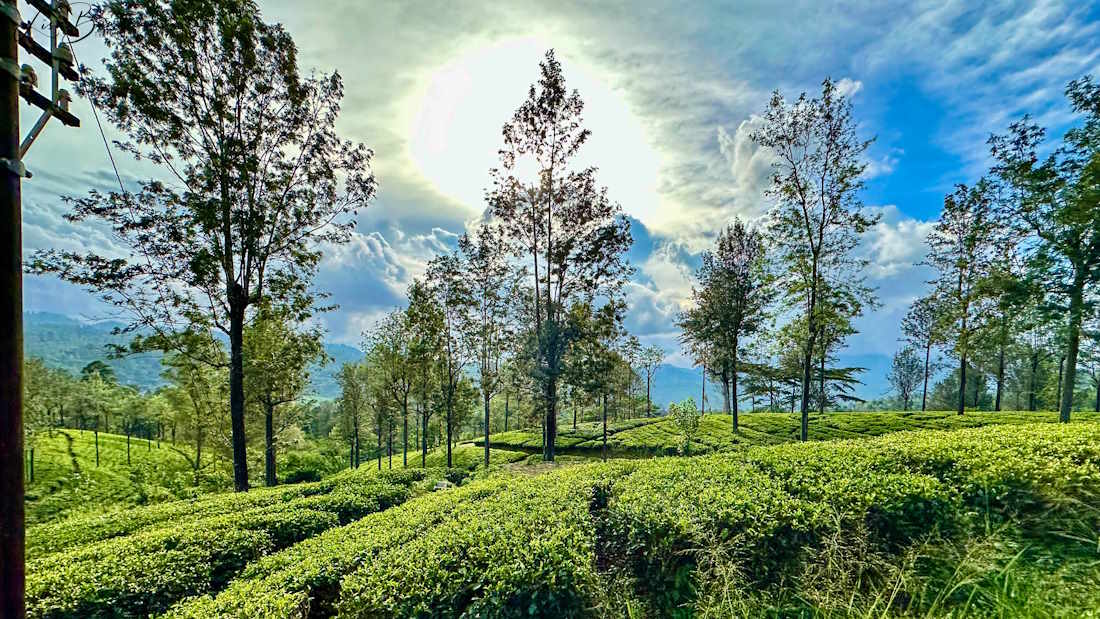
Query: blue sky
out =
(671, 92)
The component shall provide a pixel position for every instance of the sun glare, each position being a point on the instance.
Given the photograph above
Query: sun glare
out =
(454, 135)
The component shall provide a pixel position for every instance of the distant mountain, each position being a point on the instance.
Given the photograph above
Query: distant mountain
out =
(67, 343)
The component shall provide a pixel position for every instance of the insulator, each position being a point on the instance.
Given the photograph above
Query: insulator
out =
(64, 54)
(63, 99)
(28, 76)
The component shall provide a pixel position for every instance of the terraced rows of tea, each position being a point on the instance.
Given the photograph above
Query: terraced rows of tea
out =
(992, 521)
(659, 435)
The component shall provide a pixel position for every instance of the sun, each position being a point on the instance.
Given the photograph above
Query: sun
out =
(455, 132)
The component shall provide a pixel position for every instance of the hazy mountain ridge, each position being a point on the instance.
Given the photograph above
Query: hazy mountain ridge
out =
(69, 343)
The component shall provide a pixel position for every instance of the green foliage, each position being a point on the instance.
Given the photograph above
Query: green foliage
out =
(784, 530)
(660, 436)
(67, 481)
(686, 418)
(146, 571)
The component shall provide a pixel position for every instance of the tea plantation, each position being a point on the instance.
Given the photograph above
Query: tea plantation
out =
(999, 520)
(659, 435)
(67, 480)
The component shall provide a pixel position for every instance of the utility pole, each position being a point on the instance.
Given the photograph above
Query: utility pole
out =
(19, 81)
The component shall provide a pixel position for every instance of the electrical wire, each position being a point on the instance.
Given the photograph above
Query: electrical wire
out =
(102, 134)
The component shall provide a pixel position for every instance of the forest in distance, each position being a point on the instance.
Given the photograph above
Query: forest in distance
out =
(509, 435)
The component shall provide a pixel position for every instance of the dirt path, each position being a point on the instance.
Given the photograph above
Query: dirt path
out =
(72, 454)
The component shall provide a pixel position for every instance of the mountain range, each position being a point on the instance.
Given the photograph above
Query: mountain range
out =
(69, 343)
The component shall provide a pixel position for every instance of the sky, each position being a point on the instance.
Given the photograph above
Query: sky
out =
(672, 92)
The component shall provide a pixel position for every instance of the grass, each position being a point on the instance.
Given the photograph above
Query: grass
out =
(67, 481)
(659, 436)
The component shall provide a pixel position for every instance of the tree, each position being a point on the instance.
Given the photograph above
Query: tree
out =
(453, 298)
(1056, 203)
(906, 372)
(687, 422)
(922, 328)
(276, 372)
(425, 320)
(352, 405)
(490, 281)
(391, 340)
(199, 390)
(259, 177)
(571, 234)
(593, 351)
(651, 358)
(960, 248)
(731, 304)
(818, 217)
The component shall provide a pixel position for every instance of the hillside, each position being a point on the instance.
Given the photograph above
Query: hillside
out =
(659, 435)
(67, 480)
(1002, 519)
(67, 343)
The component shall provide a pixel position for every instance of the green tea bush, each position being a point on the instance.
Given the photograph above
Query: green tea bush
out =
(146, 572)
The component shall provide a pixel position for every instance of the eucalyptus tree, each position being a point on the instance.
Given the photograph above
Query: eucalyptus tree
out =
(392, 339)
(426, 324)
(818, 217)
(731, 303)
(961, 249)
(352, 405)
(1058, 198)
(276, 372)
(491, 282)
(198, 390)
(595, 351)
(453, 298)
(923, 328)
(651, 359)
(558, 220)
(254, 178)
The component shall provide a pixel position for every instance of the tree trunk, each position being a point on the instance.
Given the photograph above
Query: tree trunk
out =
(506, 395)
(821, 382)
(486, 430)
(726, 392)
(127, 444)
(389, 443)
(96, 434)
(648, 398)
(1031, 381)
(551, 418)
(605, 427)
(807, 355)
(378, 427)
(733, 385)
(236, 388)
(405, 432)
(1061, 373)
(355, 425)
(269, 444)
(1001, 363)
(962, 384)
(450, 406)
(1076, 307)
(574, 414)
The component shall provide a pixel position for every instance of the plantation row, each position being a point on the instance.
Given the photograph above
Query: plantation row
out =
(769, 530)
(67, 480)
(659, 435)
(139, 562)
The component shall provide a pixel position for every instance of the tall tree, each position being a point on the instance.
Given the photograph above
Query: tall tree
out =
(906, 373)
(961, 249)
(490, 281)
(258, 176)
(453, 298)
(392, 340)
(923, 329)
(652, 357)
(352, 406)
(276, 372)
(559, 220)
(1058, 198)
(818, 217)
(731, 302)
(425, 321)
